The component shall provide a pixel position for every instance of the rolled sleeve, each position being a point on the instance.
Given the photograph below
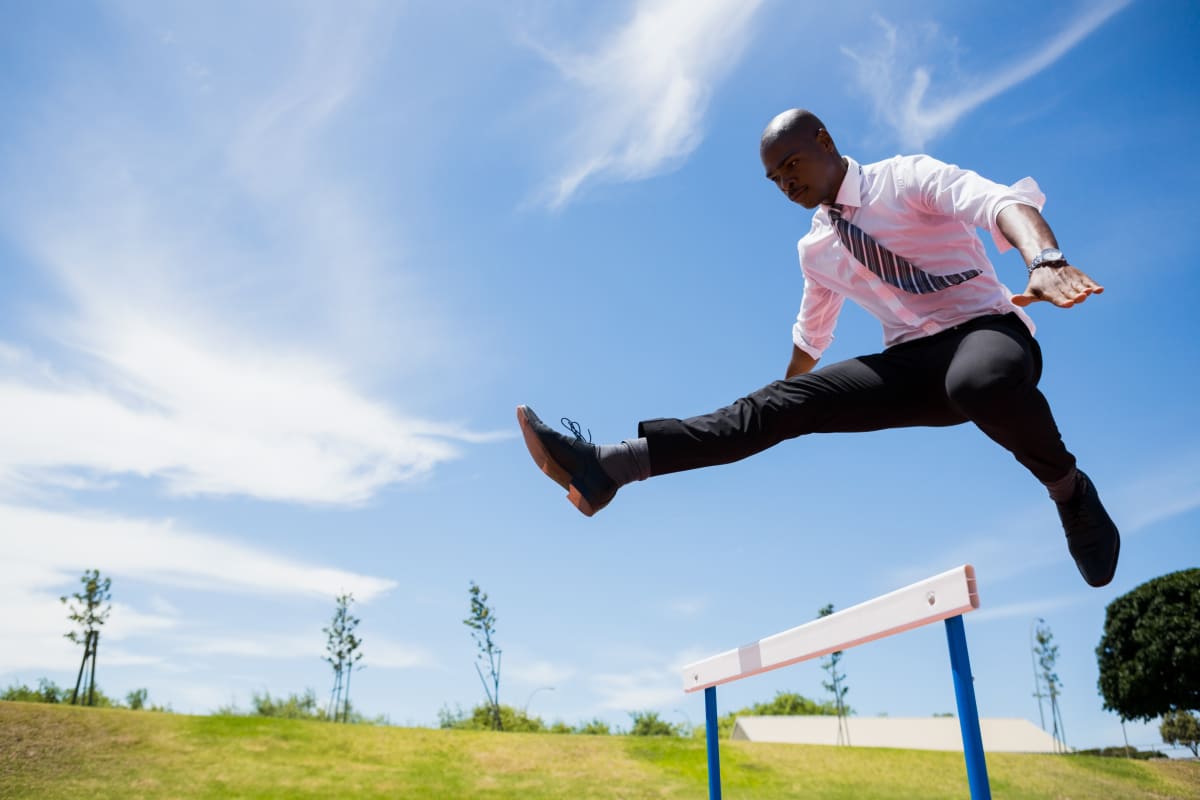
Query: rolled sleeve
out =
(819, 310)
(965, 195)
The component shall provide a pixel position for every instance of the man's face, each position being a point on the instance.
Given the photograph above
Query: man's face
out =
(805, 166)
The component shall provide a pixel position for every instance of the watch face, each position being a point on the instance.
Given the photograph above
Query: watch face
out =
(1050, 254)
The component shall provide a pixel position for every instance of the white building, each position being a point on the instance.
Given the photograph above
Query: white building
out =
(919, 733)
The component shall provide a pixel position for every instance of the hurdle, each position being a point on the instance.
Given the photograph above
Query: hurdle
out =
(945, 597)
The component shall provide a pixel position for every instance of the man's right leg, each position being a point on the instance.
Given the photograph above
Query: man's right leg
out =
(900, 387)
(889, 390)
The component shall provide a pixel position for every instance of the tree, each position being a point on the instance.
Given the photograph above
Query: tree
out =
(87, 614)
(482, 623)
(835, 685)
(783, 704)
(1149, 655)
(1181, 727)
(1046, 653)
(649, 723)
(341, 651)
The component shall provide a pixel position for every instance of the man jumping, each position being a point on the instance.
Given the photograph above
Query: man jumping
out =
(898, 238)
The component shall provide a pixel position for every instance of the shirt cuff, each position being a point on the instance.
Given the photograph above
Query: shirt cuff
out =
(803, 344)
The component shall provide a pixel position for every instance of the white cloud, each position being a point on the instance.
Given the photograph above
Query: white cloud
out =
(1028, 610)
(227, 289)
(639, 97)
(687, 606)
(47, 551)
(1159, 492)
(649, 686)
(895, 74)
(637, 690)
(158, 552)
(209, 418)
(535, 672)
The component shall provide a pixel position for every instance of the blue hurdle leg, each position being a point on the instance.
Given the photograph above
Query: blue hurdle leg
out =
(968, 714)
(712, 737)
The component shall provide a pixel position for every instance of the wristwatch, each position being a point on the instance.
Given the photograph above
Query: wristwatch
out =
(1050, 257)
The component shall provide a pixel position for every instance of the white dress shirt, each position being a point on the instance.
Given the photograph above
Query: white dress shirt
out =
(926, 211)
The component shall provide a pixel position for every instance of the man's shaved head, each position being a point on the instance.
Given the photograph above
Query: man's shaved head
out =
(798, 122)
(801, 159)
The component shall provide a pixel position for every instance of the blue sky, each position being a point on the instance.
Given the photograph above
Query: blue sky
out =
(274, 278)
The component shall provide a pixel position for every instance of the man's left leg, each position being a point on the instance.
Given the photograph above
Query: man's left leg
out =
(992, 379)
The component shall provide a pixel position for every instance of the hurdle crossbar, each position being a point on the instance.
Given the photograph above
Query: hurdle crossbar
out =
(945, 597)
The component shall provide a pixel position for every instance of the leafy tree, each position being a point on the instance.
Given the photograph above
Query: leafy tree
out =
(87, 614)
(787, 704)
(649, 723)
(1046, 652)
(482, 623)
(835, 685)
(1181, 727)
(1149, 655)
(342, 653)
(791, 704)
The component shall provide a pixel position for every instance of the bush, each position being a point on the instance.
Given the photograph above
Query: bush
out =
(1181, 728)
(597, 727)
(1121, 752)
(49, 692)
(648, 723)
(787, 704)
(512, 720)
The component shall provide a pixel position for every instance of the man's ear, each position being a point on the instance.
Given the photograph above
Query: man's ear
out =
(825, 141)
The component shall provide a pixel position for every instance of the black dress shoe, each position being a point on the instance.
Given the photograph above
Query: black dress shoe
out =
(1092, 537)
(571, 463)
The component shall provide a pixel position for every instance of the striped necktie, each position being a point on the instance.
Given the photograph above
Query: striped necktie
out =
(888, 266)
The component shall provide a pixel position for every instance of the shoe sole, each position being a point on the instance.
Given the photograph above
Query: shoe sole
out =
(1116, 558)
(548, 465)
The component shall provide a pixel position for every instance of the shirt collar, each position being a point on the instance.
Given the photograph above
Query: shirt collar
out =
(850, 192)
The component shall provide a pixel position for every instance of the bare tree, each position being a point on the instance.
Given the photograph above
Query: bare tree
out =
(482, 623)
(1047, 654)
(835, 685)
(342, 653)
(87, 614)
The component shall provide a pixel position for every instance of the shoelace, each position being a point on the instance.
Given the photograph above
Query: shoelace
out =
(574, 428)
(1076, 510)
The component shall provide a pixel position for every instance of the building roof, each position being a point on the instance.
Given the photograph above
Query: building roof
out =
(914, 733)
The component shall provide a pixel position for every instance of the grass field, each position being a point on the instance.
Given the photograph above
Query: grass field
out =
(49, 752)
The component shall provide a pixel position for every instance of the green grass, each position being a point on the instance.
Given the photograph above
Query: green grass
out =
(49, 752)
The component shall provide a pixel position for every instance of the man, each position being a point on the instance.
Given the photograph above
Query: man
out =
(898, 238)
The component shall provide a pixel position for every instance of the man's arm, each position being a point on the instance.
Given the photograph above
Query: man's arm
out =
(1028, 231)
(801, 363)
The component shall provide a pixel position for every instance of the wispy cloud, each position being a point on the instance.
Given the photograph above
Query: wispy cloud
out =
(378, 653)
(1030, 609)
(639, 97)
(1159, 492)
(48, 550)
(896, 74)
(208, 417)
(226, 287)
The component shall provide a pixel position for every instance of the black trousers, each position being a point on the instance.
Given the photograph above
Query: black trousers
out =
(984, 371)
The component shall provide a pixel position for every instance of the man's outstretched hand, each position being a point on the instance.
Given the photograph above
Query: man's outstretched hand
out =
(1063, 286)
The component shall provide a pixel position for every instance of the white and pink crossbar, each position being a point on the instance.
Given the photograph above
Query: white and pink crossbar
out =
(949, 594)
(942, 598)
